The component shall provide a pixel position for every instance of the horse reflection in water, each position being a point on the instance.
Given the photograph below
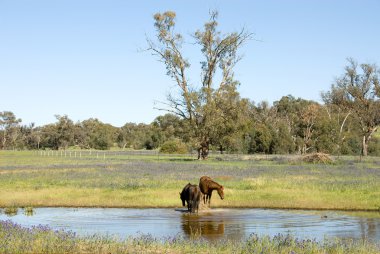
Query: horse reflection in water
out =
(196, 226)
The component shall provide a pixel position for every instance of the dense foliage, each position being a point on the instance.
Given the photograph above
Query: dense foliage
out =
(290, 126)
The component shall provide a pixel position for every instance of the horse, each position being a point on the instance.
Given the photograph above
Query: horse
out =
(207, 185)
(191, 193)
(184, 195)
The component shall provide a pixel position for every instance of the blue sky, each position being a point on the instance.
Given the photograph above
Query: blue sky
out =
(84, 58)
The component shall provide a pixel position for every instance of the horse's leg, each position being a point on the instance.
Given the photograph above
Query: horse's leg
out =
(209, 199)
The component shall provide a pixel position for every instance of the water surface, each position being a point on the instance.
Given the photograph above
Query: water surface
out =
(213, 224)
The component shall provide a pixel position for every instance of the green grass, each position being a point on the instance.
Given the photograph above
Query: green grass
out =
(42, 239)
(106, 179)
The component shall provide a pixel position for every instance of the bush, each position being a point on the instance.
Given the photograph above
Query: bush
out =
(11, 211)
(174, 146)
(374, 146)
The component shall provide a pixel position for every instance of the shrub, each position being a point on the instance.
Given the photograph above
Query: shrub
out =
(174, 146)
(11, 211)
(28, 211)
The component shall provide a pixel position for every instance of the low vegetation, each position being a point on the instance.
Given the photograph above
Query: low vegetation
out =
(11, 210)
(42, 239)
(174, 146)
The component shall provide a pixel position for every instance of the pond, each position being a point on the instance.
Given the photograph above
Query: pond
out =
(213, 224)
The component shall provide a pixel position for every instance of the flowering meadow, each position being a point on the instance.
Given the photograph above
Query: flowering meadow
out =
(151, 181)
(42, 239)
(31, 180)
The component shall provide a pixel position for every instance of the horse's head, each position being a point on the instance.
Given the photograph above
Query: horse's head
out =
(221, 192)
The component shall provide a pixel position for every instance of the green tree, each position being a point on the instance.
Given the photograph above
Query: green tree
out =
(262, 139)
(100, 135)
(282, 139)
(230, 120)
(59, 135)
(170, 126)
(358, 92)
(138, 136)
(30, 136)
(302, 117)
(197, 105)
(9, 129)
(65, 131)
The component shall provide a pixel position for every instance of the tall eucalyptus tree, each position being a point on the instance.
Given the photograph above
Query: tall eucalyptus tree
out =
(198, 105)
(358, 92)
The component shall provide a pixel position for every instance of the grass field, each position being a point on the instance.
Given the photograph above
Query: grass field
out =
(34, 179)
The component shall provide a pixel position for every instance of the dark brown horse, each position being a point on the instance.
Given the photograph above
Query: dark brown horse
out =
(191, 193)
(184, 195)
(207, 185)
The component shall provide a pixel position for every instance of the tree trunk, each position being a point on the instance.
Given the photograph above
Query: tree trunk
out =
(203, 150)
(4, 139)
(365, 146)
(366, 139)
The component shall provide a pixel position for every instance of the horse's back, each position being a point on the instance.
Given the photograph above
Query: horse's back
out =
(194, 191)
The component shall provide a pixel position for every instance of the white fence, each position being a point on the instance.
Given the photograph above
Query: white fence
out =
(155, 154)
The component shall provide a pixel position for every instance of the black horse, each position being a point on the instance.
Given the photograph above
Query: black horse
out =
(191, 193)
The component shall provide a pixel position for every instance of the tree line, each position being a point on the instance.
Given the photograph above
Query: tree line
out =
(289, 126)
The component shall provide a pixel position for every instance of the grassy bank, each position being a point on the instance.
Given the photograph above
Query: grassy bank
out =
(41, 239)
(31, 179)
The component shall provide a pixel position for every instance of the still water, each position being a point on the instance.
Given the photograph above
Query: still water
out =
(212, 224)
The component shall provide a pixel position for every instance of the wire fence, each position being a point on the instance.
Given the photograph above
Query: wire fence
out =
(99, 154)
(155, 154)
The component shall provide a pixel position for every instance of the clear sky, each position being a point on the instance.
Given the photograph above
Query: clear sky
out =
(83, 58)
